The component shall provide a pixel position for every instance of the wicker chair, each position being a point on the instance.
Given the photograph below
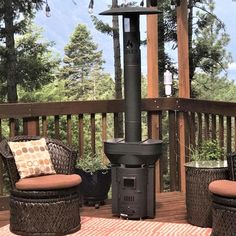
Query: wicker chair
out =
(43, 212)
(223, 195)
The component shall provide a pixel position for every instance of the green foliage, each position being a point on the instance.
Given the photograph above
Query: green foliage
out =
(36, 63)
(101, 26)
(35, 59)
(81, 55)
(54, 91)
(208, 88)
(209, 55)
(208, 150)
(14, 15)
(91, 163)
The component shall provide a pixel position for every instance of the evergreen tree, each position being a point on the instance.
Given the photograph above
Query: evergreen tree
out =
(35, 61)
(13, 15)
(81, 57)
(209, 53)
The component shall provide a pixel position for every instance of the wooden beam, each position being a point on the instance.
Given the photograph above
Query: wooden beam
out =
(183, 51)
(184, 83)
(152, 56)
(152, 78)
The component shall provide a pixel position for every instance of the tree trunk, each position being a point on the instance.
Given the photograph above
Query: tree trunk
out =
(117, 65)
(10, 53)
(190, 46)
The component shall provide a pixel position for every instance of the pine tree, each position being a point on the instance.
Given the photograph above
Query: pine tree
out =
(81, 57)
(35, 61)
(12, 16)
(209, 45)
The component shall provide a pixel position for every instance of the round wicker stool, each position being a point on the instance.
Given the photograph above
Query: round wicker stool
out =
(45, 213)
(198, 202)
(223, 207)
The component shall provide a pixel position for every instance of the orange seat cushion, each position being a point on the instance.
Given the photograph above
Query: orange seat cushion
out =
(49, 182)
(226, 188)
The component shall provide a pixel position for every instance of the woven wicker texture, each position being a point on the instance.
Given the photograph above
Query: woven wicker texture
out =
(231, 160)
(198, 201)
(224, 215)
(44, 213)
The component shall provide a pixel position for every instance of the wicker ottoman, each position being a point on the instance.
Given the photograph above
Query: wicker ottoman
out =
(223, 207)
(45, 213)
(198, 202)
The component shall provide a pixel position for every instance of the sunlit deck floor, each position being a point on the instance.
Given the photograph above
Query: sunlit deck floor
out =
(170, 207)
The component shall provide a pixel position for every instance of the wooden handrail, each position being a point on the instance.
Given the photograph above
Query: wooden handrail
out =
(18, 110)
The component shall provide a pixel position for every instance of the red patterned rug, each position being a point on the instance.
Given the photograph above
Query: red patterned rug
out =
(92, 226)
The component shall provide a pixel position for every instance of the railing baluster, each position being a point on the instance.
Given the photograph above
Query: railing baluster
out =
(0, 129)
(234, 134)
(187, 134)
(199, 115)
(81, 135)
(213, 126)
(104, 127)
(192, 130)
(44, 126)
(172, 152)
(221, 131)
(57, 127)
(116, 121)
(69, 129)
(12, 127)
(229, 134)
(93, 133)
(206, 126)
(104, 130)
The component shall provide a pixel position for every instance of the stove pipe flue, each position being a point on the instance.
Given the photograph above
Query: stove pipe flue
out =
(132, 77)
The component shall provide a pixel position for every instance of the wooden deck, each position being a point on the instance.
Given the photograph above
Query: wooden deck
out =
(170, 207)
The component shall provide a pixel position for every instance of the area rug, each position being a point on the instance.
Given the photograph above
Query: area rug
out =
(91, 226)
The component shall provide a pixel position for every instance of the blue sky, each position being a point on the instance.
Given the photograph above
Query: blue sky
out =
(65, 15)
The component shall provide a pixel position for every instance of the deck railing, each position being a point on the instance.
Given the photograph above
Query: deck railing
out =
(86, 124)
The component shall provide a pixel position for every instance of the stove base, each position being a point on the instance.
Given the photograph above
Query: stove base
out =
(133, 191)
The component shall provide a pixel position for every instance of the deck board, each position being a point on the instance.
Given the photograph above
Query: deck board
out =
(170, 207)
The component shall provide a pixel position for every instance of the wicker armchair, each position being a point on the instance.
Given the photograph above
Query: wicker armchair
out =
(53, 211)
(223, 195)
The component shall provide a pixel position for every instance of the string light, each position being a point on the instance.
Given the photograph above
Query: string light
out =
(47, 10)
(90, 7)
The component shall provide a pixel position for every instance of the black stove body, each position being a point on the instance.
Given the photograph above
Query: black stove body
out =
(133, 160)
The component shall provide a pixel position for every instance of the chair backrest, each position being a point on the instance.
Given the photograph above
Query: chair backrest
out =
(231, 161)
(63, 156)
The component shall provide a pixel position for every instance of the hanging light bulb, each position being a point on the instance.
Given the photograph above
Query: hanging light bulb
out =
(90, 7)
(47, 10)
(168, 82)
(172, 4)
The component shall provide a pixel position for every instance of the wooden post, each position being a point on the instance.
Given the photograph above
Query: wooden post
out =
(31, 126)
(184, 83)
(152, 78)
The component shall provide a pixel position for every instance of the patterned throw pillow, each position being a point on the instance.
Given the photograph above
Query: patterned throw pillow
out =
(32, 158)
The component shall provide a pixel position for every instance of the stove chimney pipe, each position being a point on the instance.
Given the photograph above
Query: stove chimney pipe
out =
(132, 78)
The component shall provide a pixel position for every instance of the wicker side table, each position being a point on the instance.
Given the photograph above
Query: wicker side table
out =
(198, 202)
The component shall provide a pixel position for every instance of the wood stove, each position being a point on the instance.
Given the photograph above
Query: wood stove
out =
(133, 159)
